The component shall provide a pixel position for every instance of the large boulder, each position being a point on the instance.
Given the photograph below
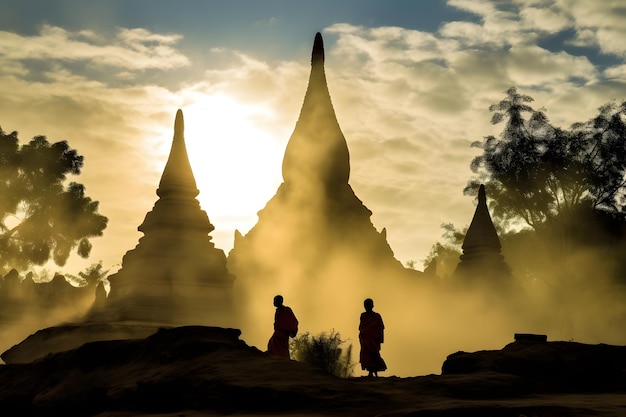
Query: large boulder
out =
(557, 365)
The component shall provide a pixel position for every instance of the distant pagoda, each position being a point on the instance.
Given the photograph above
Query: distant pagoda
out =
(175, 274)
(482, 260)
(315, 222)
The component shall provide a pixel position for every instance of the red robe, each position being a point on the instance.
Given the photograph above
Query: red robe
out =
(285, 326)
(371, 335)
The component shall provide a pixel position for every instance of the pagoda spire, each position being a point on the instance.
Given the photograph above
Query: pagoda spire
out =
(314, 232)
(177, 186)
(177, 176)
(482, 260)
(175, 269)
(317, 149)
(317, 56)
(481, 234)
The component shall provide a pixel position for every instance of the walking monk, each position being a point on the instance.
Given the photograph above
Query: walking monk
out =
(285, 326)
(371, 335)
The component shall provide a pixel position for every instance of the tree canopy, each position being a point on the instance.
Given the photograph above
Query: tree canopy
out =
(543, 175)
(43, 216)
(566, 186)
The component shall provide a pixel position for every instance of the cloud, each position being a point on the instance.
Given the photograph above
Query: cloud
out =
(584, 38)
(617, 72)
(594, 24)
(135, 49)
(598, 24)
(478, 7)
(549, 20)
(409, 103)
(378, 45)
(433, 90)
(533, 66)
(500, 24)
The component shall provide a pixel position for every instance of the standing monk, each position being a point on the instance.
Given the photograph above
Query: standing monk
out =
(285, 326)
(371, 335)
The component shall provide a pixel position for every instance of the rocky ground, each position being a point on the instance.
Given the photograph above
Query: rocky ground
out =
(207, 371)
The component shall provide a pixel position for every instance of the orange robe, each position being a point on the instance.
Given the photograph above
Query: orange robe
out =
(371, 335)
(285, 326)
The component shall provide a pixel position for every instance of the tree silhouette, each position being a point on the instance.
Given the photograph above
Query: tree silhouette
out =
(545, 176)
(42, 216)
(444, 257)
(566, 185)
(92, 275)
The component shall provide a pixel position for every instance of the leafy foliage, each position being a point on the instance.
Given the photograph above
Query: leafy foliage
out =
(542, 175)
(43, 217)
(92, 275)
(444, 257)
(567, 185)
(323, 351)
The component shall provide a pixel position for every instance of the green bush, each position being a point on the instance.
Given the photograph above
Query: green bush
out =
(323, 351)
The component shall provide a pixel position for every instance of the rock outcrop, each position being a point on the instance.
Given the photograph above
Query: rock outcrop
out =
(67, 337)
(554, 365)
(196, 370)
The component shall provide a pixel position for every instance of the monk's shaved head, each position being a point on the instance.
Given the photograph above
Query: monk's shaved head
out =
(278, 300)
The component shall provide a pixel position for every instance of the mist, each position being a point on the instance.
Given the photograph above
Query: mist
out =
(427, 319)
(28, 306)
(315, 244)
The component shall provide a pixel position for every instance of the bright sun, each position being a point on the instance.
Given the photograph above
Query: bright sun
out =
(235, 158)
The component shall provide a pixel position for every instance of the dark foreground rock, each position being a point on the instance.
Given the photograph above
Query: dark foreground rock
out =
(71, 336)
(560, 366)
(204, 371)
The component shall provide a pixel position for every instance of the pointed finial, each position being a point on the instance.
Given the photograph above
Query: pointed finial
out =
(318, 50)
(179, 124)
(482, 195)
(481, 233)
(317, 149)
(177, 176)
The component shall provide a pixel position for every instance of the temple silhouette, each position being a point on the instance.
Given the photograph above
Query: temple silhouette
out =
(175, 274)
(482, 261)
(314, 221)
(313, 233)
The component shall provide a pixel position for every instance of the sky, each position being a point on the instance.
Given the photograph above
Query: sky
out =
(411, 83)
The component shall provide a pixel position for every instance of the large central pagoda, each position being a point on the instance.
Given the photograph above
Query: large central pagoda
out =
(315, 230)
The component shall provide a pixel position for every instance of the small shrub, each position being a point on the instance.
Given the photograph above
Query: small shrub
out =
(323, 351)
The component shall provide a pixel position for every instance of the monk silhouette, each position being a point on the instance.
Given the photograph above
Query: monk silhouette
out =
(371, 335)
(285, 326)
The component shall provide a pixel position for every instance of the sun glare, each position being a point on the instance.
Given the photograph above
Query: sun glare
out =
(235, 158)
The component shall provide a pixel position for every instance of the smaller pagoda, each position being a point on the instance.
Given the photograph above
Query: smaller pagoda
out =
(482, 261)
(175, 275)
